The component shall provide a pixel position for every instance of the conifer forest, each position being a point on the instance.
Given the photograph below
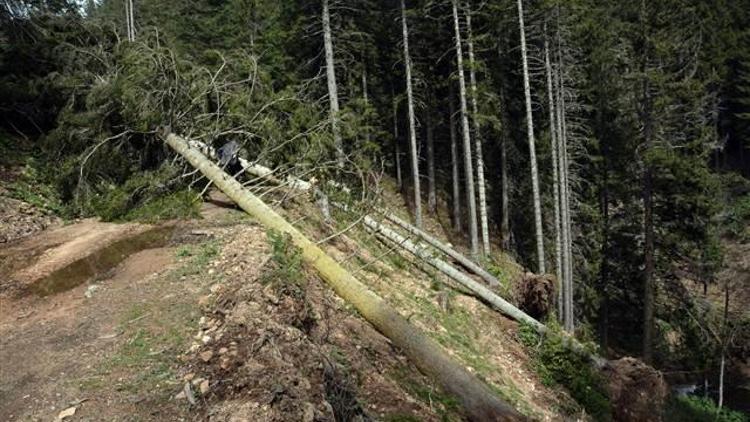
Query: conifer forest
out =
(360, 210)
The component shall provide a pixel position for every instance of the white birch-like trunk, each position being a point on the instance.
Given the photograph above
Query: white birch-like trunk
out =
(454, 163)
(555, 180)
(127, 20)
(481, 187)
(532, 147)
(468, 167)
(333, 95)
(132, 20)
(412, 128)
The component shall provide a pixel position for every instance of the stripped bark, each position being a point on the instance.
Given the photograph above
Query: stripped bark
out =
(479, 402)
(468, 166)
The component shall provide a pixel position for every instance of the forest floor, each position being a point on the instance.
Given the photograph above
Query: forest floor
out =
(192, 320)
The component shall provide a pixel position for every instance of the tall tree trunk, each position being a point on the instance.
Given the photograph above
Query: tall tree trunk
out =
(468, 166)
(504, 185)
(366, 99)
(412, 128)
(431, 194)
(555, 177)
(454, 161)
(648, 207)
(333, 95)
(128, 31)
(481, 187)
(562, 155)
(396, 148)
(532, 147)
(724, 344)
(565, 174)
(132, 20)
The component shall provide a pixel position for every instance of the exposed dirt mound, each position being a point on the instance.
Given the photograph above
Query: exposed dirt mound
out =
(535, 294)
(273, 347)
(19, 219)
(637, 391)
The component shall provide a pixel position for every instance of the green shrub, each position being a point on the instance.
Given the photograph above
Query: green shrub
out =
(286, 273)
(556, 364)
(700, 409)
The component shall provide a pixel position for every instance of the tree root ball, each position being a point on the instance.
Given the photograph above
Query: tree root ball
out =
(535, 294)
(637, 391)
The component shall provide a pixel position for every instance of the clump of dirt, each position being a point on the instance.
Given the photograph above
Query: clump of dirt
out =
(535, 294)
(19, 219)
(637, 391)
(276, 345)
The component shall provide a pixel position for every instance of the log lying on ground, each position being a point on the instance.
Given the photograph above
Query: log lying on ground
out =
(253, 169)
(495, 301)
(442, 247)
(481, 291)
(479, 401)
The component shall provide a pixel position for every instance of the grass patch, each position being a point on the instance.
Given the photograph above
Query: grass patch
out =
(195, 258)
(446, 406)
(556, 365)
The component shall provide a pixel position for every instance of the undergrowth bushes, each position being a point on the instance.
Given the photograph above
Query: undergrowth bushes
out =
(556, 364)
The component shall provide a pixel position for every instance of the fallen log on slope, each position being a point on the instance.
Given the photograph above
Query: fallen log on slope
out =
(442, 247)
(481, 291)
(480, 403)
(487, 295)
(253, 169)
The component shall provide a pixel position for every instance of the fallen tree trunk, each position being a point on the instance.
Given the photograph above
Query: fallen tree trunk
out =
(466, 262)
(253, 169)
(481, 291)
(479, 401)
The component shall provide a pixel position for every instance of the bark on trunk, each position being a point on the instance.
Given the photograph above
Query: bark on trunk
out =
(532, 147)
(412, 128)
(505, 195)
(396, 148)
(454, 163)
(478, 400)
(431, 193)
(481, 187)
(468, 166)
(648, 218)
(555, 179)
(466, 262)
(333, 95)
(568, 313)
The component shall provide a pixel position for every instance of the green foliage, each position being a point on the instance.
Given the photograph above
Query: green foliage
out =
(700, 409)
(556, 364)
(32, 187)
(144, 197)
(287, 271)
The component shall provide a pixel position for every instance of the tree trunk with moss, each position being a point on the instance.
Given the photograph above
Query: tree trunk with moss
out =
(479, 402)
